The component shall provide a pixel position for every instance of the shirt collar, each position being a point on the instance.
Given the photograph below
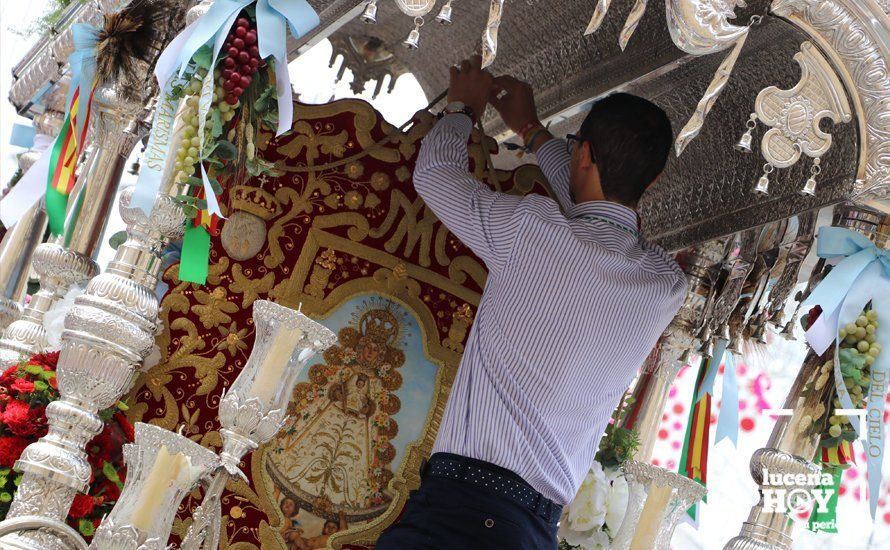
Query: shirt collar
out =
(610, 211)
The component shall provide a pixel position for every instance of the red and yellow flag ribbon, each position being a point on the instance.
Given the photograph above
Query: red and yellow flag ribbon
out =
(64, 155)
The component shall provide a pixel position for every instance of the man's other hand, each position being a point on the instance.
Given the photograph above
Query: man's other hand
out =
(470, 85)
(515, 101)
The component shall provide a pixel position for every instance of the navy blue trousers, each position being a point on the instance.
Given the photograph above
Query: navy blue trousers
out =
(449, 514)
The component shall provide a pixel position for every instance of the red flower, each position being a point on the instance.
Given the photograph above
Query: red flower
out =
(814, 313)
(109, 491)
(82, 506)
(53, 383)
(23, 385)
(46, 360)
(125, 426)
(9, 375)
(101, 448)
(11, 449)
(19, 418)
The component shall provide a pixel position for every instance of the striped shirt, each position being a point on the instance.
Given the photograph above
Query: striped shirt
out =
(574, 303)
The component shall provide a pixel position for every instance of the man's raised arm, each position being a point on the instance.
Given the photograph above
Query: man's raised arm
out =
(515, 101)
(484, 220)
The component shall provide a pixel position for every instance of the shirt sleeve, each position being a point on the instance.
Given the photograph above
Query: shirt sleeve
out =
(554, 161)
(484, 220)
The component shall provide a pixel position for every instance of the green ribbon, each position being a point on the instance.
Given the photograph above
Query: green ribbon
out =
(825, 521)
(195, 255)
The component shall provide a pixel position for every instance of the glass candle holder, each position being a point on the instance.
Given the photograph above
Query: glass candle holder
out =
(657, 500)
(162, 467)
(253, 409)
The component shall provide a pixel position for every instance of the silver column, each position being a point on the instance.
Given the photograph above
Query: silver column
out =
(59, 266)
(108, 333)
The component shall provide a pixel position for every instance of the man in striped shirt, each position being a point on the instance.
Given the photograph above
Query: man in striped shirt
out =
(574, 302)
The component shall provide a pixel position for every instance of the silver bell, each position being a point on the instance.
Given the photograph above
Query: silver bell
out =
(809, 189)
(762, 187)
(369, 16)
(413, 40)
(744, 144)
(788, 331)
(444, 16)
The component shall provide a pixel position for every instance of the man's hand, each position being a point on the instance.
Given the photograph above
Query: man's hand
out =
(471, 85)
(515, 101)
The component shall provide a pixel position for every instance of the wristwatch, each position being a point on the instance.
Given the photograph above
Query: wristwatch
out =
(459, 107)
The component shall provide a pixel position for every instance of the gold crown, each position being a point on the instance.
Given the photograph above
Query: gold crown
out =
(257, 201)
(380, 324)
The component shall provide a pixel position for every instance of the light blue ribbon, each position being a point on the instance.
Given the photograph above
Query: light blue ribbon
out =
(862, 276)
(728, 422)
(83, 68)
(707, 385)
(273, 19)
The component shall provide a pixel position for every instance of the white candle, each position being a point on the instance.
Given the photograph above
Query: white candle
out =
(651, 517)
(268, 377)
(167, 470)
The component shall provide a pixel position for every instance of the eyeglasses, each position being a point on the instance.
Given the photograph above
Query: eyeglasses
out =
(573, 142)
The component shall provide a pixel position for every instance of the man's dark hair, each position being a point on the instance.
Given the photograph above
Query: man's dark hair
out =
(630, 138)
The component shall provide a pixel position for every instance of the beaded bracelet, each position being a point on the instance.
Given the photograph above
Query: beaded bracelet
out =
(529, 146)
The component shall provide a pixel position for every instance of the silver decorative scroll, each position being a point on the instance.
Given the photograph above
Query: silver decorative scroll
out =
(490, 37)
(693, 127)
(633, 21)
(794, 114)
(599, 14)
(702, 27)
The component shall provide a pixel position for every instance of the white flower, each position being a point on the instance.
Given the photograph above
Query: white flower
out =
(588, 510)
(54, 319)
(616, 500)
(587, 540)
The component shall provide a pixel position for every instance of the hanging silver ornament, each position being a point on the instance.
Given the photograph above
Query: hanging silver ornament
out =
(744, 144)
(762, 187)
(369, 16)
(809, 189)
(413, 40)
(444, 16)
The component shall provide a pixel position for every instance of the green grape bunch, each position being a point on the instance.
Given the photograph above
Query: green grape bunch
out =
(858, 350)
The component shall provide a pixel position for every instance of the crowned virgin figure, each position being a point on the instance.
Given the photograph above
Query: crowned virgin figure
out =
(335, 456)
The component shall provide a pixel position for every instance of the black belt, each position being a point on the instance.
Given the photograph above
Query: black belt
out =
(495, 479)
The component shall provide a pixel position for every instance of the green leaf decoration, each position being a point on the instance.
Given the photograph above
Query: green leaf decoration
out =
(4, 471)
(110, 473)
(225, 150)
(5, 497)
(216, 127)
(195, 181)
(217, 188)
(86, 527)
(40, 385)
(33, 369)
(266, 99)
(203, 57)
(122, 405)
